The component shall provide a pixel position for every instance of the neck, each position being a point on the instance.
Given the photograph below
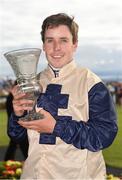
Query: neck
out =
(53, 68)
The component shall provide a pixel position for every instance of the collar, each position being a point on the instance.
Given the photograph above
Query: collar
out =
(64, 71)
(55, 70)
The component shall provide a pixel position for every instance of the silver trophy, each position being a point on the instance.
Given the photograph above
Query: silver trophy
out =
(24, 64)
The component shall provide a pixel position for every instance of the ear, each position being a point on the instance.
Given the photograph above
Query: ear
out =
(75, 45)
(43, 47)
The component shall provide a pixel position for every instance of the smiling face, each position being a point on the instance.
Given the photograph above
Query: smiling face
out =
(58, 46)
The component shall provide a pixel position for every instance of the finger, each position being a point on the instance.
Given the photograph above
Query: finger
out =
(23, 102)
(24, 124)
(18, 93)
(29, 125)
(19, 106)
(42, 111)
(19, 110)
(38, 109)
(19, 96)
(16, 89)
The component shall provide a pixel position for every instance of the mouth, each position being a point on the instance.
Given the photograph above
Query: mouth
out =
(57, 56)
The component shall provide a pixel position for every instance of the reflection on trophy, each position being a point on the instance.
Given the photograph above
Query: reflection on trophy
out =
(24, 64)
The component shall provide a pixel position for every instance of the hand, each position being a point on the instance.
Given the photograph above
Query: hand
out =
(20, 101)
(45, 125)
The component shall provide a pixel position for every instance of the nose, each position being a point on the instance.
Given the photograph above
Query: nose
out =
(57, 46)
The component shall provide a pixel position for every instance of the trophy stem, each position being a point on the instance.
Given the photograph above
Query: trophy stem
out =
(33, 95)
(32, 115)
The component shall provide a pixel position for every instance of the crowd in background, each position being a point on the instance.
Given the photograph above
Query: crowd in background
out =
(115, 89)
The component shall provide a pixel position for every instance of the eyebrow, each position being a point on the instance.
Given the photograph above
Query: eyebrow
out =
(48, 37)
(53, 38)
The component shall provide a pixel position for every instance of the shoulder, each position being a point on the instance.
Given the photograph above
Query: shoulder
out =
(41, 74)
(88, 76)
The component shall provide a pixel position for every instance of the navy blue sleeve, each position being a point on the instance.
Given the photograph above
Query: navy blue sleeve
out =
(15, 131)
(101, 128)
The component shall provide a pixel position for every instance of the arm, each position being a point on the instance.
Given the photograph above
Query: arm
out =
(101, 128)
(20, 106)
(15, 131)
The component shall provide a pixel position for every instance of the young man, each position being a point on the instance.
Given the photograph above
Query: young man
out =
(79, 116)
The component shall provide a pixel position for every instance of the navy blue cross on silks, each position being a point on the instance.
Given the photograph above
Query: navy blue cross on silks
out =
(51, 101)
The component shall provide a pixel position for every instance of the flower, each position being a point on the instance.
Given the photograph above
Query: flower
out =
(10, 169)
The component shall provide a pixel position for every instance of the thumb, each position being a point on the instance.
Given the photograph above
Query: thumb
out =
(42, 111)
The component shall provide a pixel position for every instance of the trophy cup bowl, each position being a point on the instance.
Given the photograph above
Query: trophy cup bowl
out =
(24, 64)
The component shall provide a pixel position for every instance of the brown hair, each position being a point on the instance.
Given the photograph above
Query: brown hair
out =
(60, 19)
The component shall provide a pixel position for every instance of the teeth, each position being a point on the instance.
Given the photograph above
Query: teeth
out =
(57, 56)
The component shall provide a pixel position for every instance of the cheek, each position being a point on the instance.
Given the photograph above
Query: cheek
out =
(48, 48)
(69, 50)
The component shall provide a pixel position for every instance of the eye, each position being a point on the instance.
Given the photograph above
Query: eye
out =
(49, 40)
(64, 40)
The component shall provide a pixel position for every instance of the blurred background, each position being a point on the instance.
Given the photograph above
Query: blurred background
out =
(100, 49)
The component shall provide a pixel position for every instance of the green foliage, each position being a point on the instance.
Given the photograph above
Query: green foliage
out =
(2, 106)
(4, 139)
(113, 154)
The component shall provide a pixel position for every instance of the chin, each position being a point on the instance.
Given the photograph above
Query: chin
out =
(57, 65)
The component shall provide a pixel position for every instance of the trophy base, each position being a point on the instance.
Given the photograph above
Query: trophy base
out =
(32, 117)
